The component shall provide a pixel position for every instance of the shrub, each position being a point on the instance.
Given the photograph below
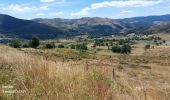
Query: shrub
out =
(73, 46)
(34, 43)
(99, 42)
(147, 47)
(116, 49)
(126, 48)
(123, 41)
(16, 43)
(81, 47)
(50, 45)
(60, 46)
(25, 45)
(111, 43)
(107, 44)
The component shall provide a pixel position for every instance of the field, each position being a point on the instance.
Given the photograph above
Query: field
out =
(97, 74)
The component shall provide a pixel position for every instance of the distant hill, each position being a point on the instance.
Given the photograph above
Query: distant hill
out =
(54, 28)
(14, 27)
(146, 21)
(148, 24)
(92, 26)
(164, 28)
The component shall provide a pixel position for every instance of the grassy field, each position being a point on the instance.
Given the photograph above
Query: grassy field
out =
(66, 74)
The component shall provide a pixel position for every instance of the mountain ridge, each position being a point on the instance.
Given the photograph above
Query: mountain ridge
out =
(95, 26)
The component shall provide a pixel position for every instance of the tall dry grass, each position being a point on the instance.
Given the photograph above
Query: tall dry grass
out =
(43, 79)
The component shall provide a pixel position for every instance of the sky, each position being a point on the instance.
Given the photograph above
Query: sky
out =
(69, 9)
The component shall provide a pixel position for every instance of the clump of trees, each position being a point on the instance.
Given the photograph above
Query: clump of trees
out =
(34, 42)
(125, 49)
(82, 47)
(103, 42)
(60, 46)
(16, 43)
(50, 45)
(123, 41)
(99, 42)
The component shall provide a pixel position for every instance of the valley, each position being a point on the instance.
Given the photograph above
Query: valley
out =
(68, 71)
(84, 50)
(93, 27)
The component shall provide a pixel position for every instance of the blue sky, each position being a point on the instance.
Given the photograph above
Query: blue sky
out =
(29, 9)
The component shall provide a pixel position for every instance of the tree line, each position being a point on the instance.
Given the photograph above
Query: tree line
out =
(33, 43)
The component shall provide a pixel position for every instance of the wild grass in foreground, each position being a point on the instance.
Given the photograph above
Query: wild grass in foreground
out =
(40, 78)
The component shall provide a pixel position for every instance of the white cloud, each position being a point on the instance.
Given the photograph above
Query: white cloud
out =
(160, 7)
(50, 14)
(126, 12)
(56, 14)
(40, 14)
(129, 3)
(48, 1)
(22, 8)
(83, 12)
(118, 4)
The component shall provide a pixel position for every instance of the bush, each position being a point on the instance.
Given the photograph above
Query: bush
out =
(122, 49)
(73, 46)
(116, 49)
(99, 42)
(34, 43)
(81, 47)
(50, 45)
(123, 41)
(60, 46)
(147, 47)
(111, 43)
(25, 45)
(16, 43)
(126, 48)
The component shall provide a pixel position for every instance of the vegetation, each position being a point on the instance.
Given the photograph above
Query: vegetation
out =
(16, 43)
(60, 46)
(83, 68)
(25, 45)
(88, 69)
(123, 41)
(122, 49)
(34, 42)
(99, 42)
(147, 47)
(81, 47)
(67, 74)
(50, 45)
(73, 46)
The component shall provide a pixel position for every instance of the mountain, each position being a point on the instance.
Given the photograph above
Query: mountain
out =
(147, 20)
(94, 26)
(55, 28)
(14, 27)
(148, 24)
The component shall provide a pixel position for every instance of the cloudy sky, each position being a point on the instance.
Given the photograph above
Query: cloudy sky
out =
(29, 9)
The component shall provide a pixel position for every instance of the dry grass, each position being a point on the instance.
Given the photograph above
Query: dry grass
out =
(52, 78)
